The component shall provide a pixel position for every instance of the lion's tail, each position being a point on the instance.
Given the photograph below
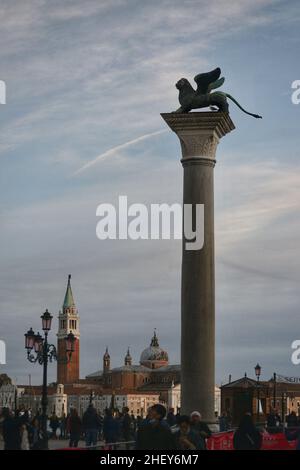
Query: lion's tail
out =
(238, 104)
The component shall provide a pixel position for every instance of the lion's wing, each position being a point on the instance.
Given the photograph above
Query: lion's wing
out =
(216, 84)
(203, 80)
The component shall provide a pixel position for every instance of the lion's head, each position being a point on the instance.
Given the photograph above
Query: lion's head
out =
(182, 83)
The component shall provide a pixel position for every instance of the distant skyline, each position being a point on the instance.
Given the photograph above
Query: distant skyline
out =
(86, 84)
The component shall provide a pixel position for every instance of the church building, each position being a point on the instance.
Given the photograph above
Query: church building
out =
(137, 386)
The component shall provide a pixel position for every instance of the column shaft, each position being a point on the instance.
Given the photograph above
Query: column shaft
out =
(199, 135)
(198, 297)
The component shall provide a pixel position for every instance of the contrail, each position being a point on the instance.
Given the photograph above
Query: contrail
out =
(115, 150)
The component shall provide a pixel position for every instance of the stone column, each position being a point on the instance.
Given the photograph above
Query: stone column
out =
(199, 134)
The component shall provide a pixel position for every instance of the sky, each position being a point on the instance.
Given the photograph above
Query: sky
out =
(86, 83)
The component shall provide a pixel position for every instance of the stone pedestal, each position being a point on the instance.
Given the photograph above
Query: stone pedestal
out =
(199, 134)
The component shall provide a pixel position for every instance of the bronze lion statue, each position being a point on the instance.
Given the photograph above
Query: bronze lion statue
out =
(202, 97)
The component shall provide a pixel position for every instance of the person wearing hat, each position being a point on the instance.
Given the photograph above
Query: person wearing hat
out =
(186, 438)
(199, 426)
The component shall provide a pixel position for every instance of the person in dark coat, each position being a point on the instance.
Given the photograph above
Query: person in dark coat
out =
(127, 426)
(11, 431)
(155, 434)
(171, 418)
(292, 420)
(186, 438)
(223, 422)
(74, 426)
(273, 422)
(111, 428)
(247, 437)
(200, 426)
(54, 425)
(63, 426)
(37, 438)
(91, 424)
(133, 421)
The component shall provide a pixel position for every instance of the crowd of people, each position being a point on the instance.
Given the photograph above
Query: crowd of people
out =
(22, 431)
(248, 437)
(155, 432)
(274, 421)
(158, 431)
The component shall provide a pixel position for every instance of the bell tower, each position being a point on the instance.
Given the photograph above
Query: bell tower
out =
(106, 362)
(128, 359)
(68, 321)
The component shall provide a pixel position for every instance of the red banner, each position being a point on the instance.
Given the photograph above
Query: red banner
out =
(224, 441)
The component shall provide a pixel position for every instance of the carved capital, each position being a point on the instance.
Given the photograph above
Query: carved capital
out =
(199, 134)
(198, 145)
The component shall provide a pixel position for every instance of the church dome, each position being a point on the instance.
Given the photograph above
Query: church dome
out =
(154, 356)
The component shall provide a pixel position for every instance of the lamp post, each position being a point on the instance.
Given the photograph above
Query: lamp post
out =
(39, 350)
(257, 369)
(113, 402)
(274, 391)
(16, 400)
(283, 407)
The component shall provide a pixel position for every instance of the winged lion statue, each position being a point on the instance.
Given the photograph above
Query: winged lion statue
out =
(202, 97)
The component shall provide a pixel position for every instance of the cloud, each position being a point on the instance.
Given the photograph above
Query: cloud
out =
(115, 150)
(105, 57)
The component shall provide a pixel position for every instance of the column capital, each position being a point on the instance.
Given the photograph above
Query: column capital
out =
(199, 134)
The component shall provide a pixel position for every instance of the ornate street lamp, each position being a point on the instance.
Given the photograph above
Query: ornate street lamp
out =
(39, 350)
(29, 339)
(46, 320)
(38, 343)
(257, 369)
(274, 391)
(283, 407)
